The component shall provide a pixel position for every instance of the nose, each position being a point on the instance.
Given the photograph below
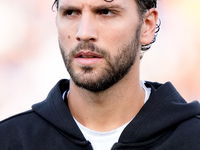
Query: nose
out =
(86, 29)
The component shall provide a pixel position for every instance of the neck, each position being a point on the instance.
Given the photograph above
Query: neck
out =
(110, 109)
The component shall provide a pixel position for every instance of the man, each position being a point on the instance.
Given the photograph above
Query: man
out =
(105, 105)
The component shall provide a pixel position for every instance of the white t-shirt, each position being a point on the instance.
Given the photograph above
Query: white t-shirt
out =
(105, 140)
(101, 140)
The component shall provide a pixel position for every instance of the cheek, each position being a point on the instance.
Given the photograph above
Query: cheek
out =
(65, 38)
(121, 27)
(64, 29)
(117, 37)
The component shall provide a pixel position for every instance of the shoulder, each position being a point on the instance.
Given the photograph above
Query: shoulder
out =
(185, 135)
(19, 124)
(17, 121)
(191, 126)
(188, 132)
(17, 130)
(11, 128)
(16, 117)
(19, 116)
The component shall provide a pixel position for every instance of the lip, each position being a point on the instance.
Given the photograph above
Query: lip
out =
(87, 54)
(87, 58)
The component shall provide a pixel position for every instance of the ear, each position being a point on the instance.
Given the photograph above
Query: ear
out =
(149, 26)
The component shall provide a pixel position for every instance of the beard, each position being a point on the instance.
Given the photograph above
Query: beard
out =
(99, 79)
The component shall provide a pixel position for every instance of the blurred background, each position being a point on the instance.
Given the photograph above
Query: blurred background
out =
(31, 64)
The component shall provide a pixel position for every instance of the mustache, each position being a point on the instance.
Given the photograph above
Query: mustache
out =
(89, 46)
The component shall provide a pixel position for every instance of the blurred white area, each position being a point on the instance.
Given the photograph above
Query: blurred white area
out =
(175, 56)
(30, 60)
(31, 64)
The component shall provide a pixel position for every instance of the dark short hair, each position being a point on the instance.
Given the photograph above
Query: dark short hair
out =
(144, 6)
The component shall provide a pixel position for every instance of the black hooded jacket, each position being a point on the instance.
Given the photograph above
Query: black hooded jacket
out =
(165, 122)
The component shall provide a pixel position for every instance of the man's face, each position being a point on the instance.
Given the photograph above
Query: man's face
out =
(99, 40)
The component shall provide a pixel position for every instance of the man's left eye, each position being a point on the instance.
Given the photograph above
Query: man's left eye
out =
(104, 12)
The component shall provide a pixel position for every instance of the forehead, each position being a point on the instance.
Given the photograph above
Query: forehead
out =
(96, 3)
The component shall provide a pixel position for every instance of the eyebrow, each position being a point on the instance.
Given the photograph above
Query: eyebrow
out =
(111, 6)
(63, 8)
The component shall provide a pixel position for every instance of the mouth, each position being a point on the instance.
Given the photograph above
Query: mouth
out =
(88, 58)
(83, 54)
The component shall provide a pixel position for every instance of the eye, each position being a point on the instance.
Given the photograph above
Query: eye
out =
(104, 12)
(69, 12)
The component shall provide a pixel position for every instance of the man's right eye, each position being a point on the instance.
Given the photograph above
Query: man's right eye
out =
(71, 12)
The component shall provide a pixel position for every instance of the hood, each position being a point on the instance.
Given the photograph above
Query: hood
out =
(164, 110)
(55, 111)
